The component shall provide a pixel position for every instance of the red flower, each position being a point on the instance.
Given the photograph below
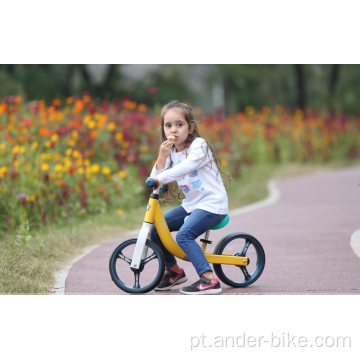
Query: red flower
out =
(26, 122)
(153, 90)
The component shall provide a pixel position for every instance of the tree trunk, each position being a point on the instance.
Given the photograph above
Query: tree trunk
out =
(300, 84)
(334, 78)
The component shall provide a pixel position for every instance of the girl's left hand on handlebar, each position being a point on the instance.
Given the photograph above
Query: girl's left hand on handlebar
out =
(157, 182)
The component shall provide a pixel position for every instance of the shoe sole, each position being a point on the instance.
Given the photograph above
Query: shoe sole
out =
(180, 281)
(204, 292)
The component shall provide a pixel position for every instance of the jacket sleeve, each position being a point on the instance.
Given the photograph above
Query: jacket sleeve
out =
(197, 158)
(155, 172)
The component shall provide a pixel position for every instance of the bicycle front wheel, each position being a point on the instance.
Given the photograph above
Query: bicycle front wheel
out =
(137, 281)
(240, 244)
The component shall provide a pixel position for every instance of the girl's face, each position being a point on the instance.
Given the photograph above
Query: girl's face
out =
(175, 124)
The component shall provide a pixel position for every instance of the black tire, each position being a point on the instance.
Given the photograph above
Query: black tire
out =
(234, 244)
(120, 270)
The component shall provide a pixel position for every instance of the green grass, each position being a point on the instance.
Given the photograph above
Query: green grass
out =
(29, 268)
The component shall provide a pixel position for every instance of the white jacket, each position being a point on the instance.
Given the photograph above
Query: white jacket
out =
(203, 188)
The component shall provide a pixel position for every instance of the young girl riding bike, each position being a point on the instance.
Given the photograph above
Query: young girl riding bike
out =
(189, 160)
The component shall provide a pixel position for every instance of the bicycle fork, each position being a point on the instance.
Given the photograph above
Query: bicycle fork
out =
(141, 249)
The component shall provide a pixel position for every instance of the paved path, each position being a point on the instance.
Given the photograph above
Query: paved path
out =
(305, 236)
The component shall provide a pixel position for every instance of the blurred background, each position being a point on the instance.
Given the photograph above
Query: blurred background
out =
(81, 139)
(231, 87)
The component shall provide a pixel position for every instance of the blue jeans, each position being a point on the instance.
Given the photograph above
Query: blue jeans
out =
(197, 224)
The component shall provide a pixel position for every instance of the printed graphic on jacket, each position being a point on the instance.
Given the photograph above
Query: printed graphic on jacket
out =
(185, 189)
(193, 173)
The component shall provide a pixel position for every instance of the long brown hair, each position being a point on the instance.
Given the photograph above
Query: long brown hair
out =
(187, 112)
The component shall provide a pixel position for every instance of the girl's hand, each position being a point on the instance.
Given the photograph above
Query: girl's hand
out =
(165, 149)
(157, 182)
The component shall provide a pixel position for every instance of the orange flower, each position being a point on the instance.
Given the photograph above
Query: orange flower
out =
(18, 99)
(102, 190)
(43, 131)
(3, 106)
(56, 102)
(79, 105)
(142, 107)
(15, 108)
(87, 98)
(69, 100)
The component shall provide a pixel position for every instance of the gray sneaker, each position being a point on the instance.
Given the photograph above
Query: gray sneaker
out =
(170, 279)
(204, 286)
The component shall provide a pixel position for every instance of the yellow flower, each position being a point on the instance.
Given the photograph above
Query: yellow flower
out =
(44, 166)
(68, 152)
(86, 162)
(123, 152)
(48, 144)
(79, 162)
(22, 149)
(224, 163)
(111, 126)
(52, 175)
(60, 175)
(119, 136)
(3, 146)
(91, 124)
(54, 138)
(3, 169)
(58, 167)
(76, 154)
(250, 110)
(119, 212)
(106, 170)
(35, 144)
(75, 134)
(16, 163)
(121, 174)
(80, 170)
(15, 149)
(67, 161)
(95, 168)
(126, 144)
(144, 149)
(77, 188)
(71, 142)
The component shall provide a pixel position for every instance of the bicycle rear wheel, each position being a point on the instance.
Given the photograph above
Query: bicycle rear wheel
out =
(134, 281)
(240, 244)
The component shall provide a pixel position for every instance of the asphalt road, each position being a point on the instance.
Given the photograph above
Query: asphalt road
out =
(305, 236)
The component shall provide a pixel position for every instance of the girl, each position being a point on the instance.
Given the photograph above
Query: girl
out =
(185, 159)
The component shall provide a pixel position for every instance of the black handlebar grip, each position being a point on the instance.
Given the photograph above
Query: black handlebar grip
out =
(150, 183)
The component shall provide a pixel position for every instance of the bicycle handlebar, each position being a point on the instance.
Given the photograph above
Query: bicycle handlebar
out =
(151, 183)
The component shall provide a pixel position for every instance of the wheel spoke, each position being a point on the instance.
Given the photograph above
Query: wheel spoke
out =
(244, 249)
(149, 258)
(245, 272)
(137, 278)
(123, 257)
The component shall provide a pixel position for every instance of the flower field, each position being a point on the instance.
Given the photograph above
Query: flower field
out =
(75, 157)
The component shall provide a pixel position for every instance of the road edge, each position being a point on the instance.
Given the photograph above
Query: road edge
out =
(355, 242)
(60, 276)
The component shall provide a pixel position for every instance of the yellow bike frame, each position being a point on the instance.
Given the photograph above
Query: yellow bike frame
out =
(155, 215)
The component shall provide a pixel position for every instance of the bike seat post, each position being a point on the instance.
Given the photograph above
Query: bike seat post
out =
(205, 241)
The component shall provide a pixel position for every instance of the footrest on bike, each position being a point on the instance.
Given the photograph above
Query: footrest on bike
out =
(206, 241)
